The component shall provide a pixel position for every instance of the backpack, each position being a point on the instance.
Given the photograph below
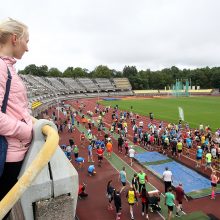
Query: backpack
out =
(3, 141)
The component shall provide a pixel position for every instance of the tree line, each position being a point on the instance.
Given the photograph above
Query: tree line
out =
(206, 77)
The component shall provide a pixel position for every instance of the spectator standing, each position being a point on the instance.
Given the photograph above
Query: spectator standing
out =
(167, 178)
(16, 122)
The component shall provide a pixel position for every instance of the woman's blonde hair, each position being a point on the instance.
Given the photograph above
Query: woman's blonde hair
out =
(9, 27)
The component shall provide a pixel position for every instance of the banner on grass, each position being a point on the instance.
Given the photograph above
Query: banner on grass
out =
(181, 113)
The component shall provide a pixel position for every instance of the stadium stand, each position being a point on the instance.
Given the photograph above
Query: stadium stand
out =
(88, 84)
(72, 85)
(121, 84)
(43, 81)
(33, 86)
(58, 85)
(104, 84)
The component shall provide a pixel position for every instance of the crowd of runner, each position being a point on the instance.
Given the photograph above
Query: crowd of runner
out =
(173, 139)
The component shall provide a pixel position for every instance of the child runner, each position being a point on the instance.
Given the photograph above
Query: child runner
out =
(169, 201)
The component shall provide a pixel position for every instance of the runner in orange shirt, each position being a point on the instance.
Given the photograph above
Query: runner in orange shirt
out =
(109, 149)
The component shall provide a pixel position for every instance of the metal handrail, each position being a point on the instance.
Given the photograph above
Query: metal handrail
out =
(41, 160)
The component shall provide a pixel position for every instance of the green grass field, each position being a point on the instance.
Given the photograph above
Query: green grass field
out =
(197, 110)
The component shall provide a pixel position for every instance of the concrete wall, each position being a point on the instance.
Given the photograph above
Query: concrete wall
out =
(55, 190)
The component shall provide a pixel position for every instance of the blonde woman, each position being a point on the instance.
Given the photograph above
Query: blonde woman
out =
(16, 122)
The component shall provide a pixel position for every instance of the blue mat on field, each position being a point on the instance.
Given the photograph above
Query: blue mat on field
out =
(110, 99)
(150, 157)
(191, 180)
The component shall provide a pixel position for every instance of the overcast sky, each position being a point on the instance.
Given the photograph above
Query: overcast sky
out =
(150, 34)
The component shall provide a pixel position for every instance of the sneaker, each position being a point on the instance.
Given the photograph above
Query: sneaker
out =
(177, 215)
(147, 217)
(142, 213)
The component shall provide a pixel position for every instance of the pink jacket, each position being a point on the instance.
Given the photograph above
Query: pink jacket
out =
(16, 124)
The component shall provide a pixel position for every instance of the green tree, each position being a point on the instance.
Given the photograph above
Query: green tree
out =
(79, 72)
(42, 70)
(102, 72)
(31, 69)
(215, 79)
(68, 72)
(54, 72)
(130, 71)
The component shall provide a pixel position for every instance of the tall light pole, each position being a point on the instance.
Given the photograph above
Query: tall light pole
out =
(58, 110)
(98, 96)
